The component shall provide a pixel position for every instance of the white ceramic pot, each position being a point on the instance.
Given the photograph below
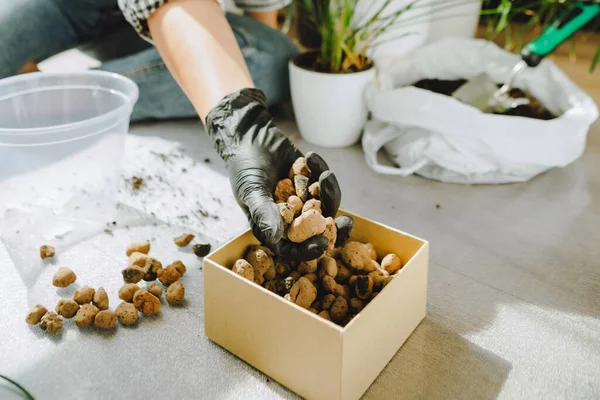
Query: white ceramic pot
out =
(330, 109)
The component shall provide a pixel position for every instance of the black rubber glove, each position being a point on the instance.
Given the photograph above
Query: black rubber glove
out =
(258, 155)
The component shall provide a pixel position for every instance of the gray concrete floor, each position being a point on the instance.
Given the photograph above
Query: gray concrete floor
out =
(513, 302)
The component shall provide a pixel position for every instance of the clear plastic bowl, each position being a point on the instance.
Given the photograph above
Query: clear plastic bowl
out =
(61, 143)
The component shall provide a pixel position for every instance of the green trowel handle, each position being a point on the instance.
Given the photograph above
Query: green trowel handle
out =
(560, 30)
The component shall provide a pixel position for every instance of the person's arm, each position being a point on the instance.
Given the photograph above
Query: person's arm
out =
(200, 50)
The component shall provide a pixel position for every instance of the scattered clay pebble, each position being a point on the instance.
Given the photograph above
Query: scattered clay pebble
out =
(35, 314)
(67, 308)
(63, 277)
(201, 250)
(184, 239)
(138, 259)
(243, 268)
(127, 291)
(100, 299)
(83, 295)
(175, 293)
(105, 319)
(391, 263)
(51, 322)
(127, 313)
(155, 289)
(86, 314)
(167, 276)
(146, 302)
(133, 274)
(136, 182)
(140, 247)
(180, 267)
(46, 251)
(151, 269)
(313, 310)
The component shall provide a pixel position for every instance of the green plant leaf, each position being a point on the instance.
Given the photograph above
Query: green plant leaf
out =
(504, 8)
(595, 59)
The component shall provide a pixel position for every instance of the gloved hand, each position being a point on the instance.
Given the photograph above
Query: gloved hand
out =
(258, 155)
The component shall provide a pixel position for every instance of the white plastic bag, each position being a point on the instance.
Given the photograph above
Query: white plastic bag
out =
(438, 137)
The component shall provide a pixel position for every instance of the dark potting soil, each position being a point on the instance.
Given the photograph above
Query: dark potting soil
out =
(534, 109)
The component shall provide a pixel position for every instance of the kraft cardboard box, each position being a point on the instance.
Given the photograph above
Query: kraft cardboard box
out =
(313, 357)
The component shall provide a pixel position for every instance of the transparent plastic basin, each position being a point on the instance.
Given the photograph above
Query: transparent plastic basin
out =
(61, 143)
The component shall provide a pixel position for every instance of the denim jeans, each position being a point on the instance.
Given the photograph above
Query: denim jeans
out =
(32, 30)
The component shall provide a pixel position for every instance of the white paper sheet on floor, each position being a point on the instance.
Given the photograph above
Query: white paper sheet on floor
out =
(438, 137)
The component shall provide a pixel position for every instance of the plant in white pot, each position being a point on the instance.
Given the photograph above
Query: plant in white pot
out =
(328, 84)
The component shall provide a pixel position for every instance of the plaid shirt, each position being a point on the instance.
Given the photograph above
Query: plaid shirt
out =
(137, 12)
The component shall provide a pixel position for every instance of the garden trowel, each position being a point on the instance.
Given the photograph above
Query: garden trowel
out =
(483, 93)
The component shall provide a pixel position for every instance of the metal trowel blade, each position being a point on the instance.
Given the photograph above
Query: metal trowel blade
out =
(477, 92)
